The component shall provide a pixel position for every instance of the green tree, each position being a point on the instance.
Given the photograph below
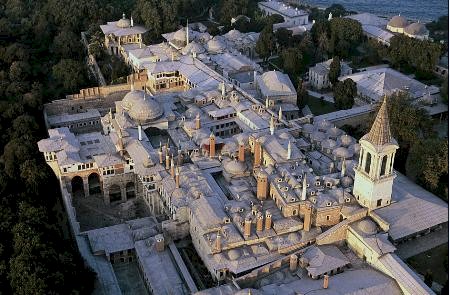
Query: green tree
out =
(345, 34)
(302, 94)
(284, 37)
(344, 94)
(266, 42)
(70, 74)
(444, 89)
(428, 280)
(292, 61)
(335, 70)
(337, 10)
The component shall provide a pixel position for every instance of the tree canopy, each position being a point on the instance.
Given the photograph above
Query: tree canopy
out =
(335, 70)
(266, 42)
(344, 94)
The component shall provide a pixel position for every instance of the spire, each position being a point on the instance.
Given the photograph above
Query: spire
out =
(131, 21)
(304, 185)
(280, 114)
(380, 133)
(289, 150)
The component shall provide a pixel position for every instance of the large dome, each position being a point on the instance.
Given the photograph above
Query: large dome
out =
(193, 47)
(416, 29)
(216, 45)
(141, 108)
(234, 167)
(398, 22)
(367, 226)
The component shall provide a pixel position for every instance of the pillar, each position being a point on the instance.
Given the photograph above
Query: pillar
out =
(172, 168)
(212, 146)
(177, 178)
(268, 223)
(123, 192)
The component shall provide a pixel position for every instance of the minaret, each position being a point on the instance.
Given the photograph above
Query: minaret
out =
(187, 32)
(280, 114)
(160, 153)
(177, 177)
(289, 150)
(272, 126)
(267, 103)
(172, 167)
(374, 174)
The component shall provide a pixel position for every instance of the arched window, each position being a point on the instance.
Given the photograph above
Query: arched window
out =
(368, 162)
(384, 170)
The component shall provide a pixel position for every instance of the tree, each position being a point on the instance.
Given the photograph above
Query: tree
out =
(67, 43)
(70, 73)
(335, 70)
(337, 10)
(292, 61)
(283, 37)
(266, 42)
(344, 94)
(302, 94)
(428, 280)
(427, 164)
(444, 89)
(345, 34)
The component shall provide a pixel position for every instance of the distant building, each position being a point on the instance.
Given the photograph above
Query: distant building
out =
(374, 27)
(399, 24)
(292, 16)
(319, 74)
(120, 33)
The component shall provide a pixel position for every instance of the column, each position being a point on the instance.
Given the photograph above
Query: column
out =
(123, 192)
(86, 186)
(106, 196)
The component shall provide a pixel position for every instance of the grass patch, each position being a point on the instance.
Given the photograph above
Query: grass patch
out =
(319, 106)
(434, 260)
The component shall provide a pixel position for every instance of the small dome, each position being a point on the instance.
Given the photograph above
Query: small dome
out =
(234, 254)
(229, 147)
(323, 125)
(346, 181)
(216, 45)
(284, 135)
(367, 226)
(398, 22)
(141, 108)
(318, 136)
(416, 29)
(233, 35)
(180, 35)
(234, 167)
(342, 152)
(328, 144)
(193, 47)
(123, 22)
(334, 132)
(308, 128)
(346, 140)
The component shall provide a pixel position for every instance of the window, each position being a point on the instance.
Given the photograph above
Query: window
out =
(328, 217)
(378, 202)
(368, 162)
(384, 170)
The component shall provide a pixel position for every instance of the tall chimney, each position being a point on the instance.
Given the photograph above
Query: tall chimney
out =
(268, 220)
(261, 186)
(197, 121)
(257, 153)
(167, 161)
(172, 167)
(218, 245)
(259, 221)
(325, 281)
(307, 218)
(177, 177)
(293, 259)
(159, 243)
(304, 186)
(248, 226)
(212, 145)
(160, 153)
(289, 151)
(140, 132)
(272, 126)
(241, 152)
(280, 114)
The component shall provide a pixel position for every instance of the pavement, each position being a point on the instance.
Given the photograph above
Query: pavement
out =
(326, 96)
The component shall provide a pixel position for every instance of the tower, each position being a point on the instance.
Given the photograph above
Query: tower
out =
(261, 185)
(212, 145)
(374, 174)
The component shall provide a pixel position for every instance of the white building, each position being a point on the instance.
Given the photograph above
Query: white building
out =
(319, 74)
(292, 16)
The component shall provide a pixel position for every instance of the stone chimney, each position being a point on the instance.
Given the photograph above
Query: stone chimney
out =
(241, 152)
(218, 245)
(167, 161)
(197, 122)
(159, 243)
(247, 226)
(307, 218)
(177, 177)
(262, 185)
(259, 221)
(325, 281)
(293, 259)
(268, 220)
(212, 145)
(257, 153)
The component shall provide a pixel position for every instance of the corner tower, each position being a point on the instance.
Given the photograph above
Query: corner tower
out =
(374, 174)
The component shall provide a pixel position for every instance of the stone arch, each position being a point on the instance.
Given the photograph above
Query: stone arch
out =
(130, 190)
(94, 184)
(77, 186)
(115, 193)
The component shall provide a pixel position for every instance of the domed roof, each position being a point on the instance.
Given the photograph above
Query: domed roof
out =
(328, 144)
(141, 108)
(216, 45)
(323, 125)
(334, 132)
(398, 22)
(234, 167)
(234, 254)
(308, 128)
(342, 152)
(123, 22)
(193, 47)
(346, 140)
(346, 181)
(416, 29)
(233, 35)
(229, 147)
(284, 135)
(367, 226)
(318, 136)
(180, 35)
